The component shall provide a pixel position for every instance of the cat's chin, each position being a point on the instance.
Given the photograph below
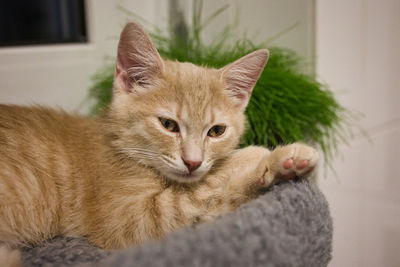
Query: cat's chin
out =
(185, 178)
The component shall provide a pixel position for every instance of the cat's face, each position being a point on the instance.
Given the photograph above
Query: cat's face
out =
(177, 117)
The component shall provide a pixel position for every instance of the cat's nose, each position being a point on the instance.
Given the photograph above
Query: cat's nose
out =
(192, 165)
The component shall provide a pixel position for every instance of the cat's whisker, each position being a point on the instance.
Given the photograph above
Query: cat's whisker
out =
(141, 154)
(166, 159)
(169, 163)
(141, 151)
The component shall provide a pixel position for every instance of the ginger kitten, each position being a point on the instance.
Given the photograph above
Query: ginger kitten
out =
(162, 157)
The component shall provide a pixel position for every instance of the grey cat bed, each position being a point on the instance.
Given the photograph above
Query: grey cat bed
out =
(288, 226)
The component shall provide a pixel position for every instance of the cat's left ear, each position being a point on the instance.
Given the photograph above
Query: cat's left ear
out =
(138, 62)
(241, 76)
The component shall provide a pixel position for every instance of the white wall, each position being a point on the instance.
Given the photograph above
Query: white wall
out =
(358, 54)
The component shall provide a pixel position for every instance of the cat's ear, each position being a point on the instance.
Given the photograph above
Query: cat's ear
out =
(241, 76)
(138, 62)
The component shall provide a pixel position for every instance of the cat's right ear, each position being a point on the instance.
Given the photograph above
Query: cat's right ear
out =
(138, 62)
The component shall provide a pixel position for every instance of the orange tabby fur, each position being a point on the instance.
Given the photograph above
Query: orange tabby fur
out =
(119, 180)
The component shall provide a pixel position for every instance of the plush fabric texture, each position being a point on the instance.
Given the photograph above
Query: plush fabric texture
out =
(288, 226)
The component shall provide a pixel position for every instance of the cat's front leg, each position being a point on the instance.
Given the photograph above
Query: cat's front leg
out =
(235, 181)
(288, 162)
(249, 170)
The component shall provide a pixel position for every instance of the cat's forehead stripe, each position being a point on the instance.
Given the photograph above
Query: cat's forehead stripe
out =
(179, 112)
(212, 115)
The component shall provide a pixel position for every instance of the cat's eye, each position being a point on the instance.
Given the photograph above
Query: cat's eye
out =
(170, 125)
(216, 130)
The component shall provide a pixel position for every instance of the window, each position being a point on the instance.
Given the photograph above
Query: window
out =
(27, 22)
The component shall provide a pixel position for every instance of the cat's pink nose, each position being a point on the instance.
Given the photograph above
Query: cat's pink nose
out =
(192, 165)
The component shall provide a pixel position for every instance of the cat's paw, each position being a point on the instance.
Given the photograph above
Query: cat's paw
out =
(291, 161)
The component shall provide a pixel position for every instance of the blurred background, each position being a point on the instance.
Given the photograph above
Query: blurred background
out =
(353, 46)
